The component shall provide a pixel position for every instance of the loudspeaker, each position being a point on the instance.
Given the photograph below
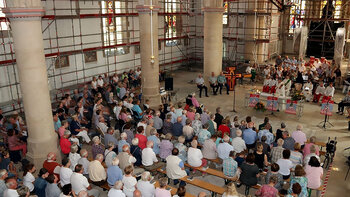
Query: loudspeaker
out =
(169, 84)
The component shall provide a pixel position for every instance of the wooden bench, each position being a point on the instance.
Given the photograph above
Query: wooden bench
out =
(217, 160)
(321, 145)
(212, 172)
(173, 190)
(309, 190)
(214, 189)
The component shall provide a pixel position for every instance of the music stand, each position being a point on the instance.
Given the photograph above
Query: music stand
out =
(272, 111)
(326, 118)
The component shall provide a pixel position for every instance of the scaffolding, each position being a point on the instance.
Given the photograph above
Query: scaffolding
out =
(73, 28)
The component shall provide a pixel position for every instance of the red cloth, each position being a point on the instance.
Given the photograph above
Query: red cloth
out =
(317, 97)
(273, 89)
(187, 107)
(326, 98)
(142, 140)
(266, 89)
(224, 129)
(50, 166)
(65, 145)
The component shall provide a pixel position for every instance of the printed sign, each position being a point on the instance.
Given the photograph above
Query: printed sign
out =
(253, 100)
(291, 107)
(327, 107)
(272, 103)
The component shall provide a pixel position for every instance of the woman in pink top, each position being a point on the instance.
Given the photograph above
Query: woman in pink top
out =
(314, 173)
(64, 126)
(15, 143)
(123, 115)
(191, 114)
(162, 191)
(194, 100)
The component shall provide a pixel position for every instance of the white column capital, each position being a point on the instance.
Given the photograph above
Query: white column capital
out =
(16, 13)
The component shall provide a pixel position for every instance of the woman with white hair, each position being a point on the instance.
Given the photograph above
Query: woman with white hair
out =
(114, 173)
(122, 142)
(166, 146)
(147, 189)
(97, 147)
(74, 156)
(195, 156)
(136, 152)
(154, 138)
(109, 154)
(197, 123)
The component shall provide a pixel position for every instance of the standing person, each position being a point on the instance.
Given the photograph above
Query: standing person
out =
(250, 171)
(200, 84)
(80, 182)
(40, 183)
(223, 82)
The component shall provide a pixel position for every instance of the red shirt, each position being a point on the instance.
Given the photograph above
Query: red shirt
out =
(142, 140)
(65, 145)
(224, 129)
(50, 166)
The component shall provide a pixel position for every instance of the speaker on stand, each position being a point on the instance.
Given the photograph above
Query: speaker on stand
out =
(169, 84)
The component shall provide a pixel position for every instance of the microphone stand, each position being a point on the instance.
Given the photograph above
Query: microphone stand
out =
(326, 118)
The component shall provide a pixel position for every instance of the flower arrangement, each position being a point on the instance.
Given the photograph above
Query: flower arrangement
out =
(260, 107)
(297, 95)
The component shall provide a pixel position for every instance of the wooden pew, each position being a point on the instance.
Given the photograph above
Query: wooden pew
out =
(212, 172)
(173, 190)
(321, 145)
(217, 160)
(214, 189)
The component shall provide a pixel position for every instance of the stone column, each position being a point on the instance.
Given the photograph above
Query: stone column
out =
(213, 12)
(25, 20)
(149, 50)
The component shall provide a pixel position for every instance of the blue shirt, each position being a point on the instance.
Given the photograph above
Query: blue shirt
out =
(57, 124)
(110, 138)
(156, 142)
(121, 144)
(230, 167)
(114, 173)
(268, 135)
(138, 110)
(203, 135)
(177, 129)
(173, 117)
(40, 186)
(249, 136)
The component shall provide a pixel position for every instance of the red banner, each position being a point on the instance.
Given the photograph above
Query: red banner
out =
(291, 107)
(253, 100)
(272, 103)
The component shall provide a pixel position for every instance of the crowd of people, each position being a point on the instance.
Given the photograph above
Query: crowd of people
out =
(107, 138)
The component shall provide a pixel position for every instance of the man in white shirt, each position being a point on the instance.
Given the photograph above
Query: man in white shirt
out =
(84, 161)
(147, 189)
(97, 173)
(100, 82)
(224, 148)
(238, 143)
(307, 90)
(175, 168)
(80, 182)
(143, 123)
(320, 91)
(213, 81)
(11, 191)
(65, 172)
(280, 89)
(149, 159)
(200, 84)
(116, 190)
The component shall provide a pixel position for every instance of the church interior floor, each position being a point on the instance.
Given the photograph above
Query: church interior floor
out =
(310, 119)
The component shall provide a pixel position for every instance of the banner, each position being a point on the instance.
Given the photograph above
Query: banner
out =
(327, 108)
(253, 100)
(291, 107)
(272, 103)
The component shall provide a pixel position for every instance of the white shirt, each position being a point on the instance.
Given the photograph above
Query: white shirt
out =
(11, 193)
(28, 180)
(73, 158)
(147, 189)
(116, 111)
(85, 162)
(115, 193)
(199, 81)
(194, 157)
(320, 90)
(285, 166)
(329, 91)
(109, 156)
(94, 84)
(307, 158)
(143, 125)
(103, 127)
(79, 182)
(100, 82)
(224, 150)
(129, 185)
(65, 174)
(148, 157)
(238, 144)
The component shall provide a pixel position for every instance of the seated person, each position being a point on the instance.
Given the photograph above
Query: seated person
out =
(320, 91)
(195, 156)
(97, 172)
(345, 102)
(329, 92)
(268, 189)
(230, 166)
(175, 167)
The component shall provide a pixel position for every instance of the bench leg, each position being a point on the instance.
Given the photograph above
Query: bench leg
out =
(213, 194)
(246, 192)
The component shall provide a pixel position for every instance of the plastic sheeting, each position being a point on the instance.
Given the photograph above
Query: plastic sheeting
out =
(339, 45)
(300, 41)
